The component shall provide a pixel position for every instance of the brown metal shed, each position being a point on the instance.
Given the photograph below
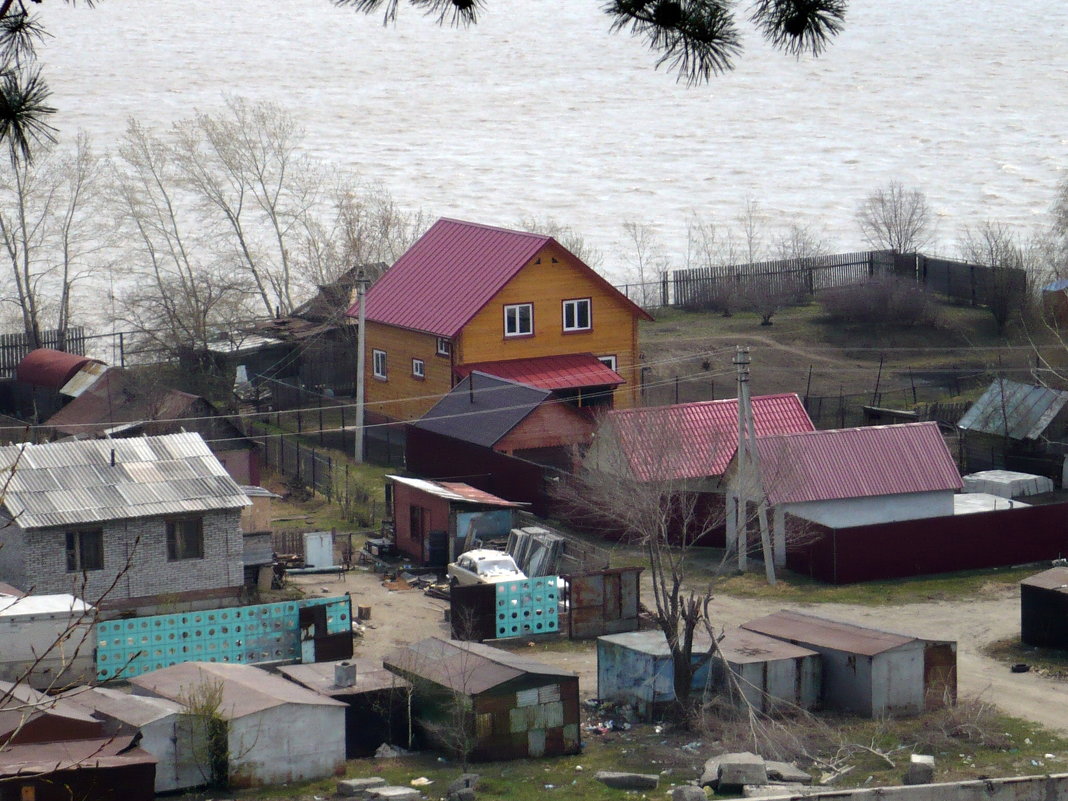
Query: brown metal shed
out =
(1044, 608)
(109, 769)
(513, 707)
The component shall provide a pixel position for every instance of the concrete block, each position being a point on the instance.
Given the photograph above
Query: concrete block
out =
(628, 781)
(737, 770)
(710, 774)
(357, 788)
(786, 790)
(688, 792)
(394, 793)
(920, 770)
(464, 781)
(786, 772)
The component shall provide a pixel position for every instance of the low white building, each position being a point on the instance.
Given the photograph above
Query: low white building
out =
(168, 732)
(45, 640)
(277, 731)
(853, 477)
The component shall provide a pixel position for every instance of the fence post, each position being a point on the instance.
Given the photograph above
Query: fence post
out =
(330, 483)
(320, 423)
(313, 460)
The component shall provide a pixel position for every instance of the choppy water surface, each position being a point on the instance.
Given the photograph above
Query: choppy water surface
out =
(539, 112)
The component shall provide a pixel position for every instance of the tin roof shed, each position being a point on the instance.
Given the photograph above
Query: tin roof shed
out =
(1014, 410)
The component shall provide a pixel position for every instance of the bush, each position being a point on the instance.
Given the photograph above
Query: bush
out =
(883, 300)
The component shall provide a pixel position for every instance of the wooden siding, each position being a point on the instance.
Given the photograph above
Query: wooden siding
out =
(548, 426)
(401, 396)
(546, 285)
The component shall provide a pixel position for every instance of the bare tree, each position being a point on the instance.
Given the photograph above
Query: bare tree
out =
(51, 232)
(654, 505)
(896, 218)
(1003, 284)
(645, 261)
(566, 236)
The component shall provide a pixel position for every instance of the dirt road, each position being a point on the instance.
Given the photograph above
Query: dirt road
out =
(407, 616)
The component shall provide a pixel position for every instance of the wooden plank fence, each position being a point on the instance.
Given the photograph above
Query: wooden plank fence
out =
(14, 347)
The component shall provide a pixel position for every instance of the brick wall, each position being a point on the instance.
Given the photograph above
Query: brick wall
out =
(12, 551)
(141, 544)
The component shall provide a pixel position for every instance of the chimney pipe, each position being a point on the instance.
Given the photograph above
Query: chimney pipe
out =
(344, 674)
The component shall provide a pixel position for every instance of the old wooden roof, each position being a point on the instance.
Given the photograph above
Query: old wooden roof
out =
(466, 667)
(452, 272)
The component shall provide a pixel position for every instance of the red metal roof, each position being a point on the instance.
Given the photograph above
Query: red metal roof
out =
(569, 371)
(695, 440)
(49, 368)
(856, 462)
(451, 273)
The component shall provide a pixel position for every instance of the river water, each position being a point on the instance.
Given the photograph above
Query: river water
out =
(539, 112)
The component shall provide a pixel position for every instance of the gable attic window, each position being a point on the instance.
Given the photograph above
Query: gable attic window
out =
(418, 368)
(185, 539)
(577, 315)
(519, 320)
(85, 550)
(378, 363)
(444, 346)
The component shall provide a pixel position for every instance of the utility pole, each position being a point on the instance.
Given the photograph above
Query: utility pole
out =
(361, 357)
(748, 479)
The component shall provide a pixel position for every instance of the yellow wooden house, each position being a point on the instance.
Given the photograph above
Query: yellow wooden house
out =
(515, 305)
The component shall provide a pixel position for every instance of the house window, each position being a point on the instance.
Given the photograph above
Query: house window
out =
(185, 539)
(519, 320)
(85, 550)
(378, 363)
(577, 315)
(608, 361)
(418, 368)
(444, 346)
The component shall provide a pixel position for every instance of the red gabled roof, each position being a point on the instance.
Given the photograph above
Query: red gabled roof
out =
(451, 273)
(856, 463)
(695, 440)
(570, 371)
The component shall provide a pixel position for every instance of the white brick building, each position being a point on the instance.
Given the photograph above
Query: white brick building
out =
(121, 522)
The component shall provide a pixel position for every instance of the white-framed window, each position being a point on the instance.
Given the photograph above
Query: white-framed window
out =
(577, 315)
(378, 363)
(519, 319)
(444, 346)
(418, 368)
(608, 361)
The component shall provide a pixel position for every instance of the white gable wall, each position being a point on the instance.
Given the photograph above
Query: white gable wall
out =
(286, 743)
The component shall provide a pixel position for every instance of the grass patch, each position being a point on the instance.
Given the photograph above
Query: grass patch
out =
(971, 741)
(1052, 662)
(973, 584)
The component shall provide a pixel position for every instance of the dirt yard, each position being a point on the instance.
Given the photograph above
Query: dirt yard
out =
(399, 617)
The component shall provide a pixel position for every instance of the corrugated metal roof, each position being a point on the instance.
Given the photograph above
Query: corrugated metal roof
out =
(453, 491)
(83, 379)
(481, 409)
(695, 440)
(452, 272)
(819, 632)
(80, 755)
(66, 483)
(1056, 578)
(856, 463)
(137, 710)
(1014, 410)
(568, 371)
(49, 368)
(20, 703)
(246, 690)
(466, 667)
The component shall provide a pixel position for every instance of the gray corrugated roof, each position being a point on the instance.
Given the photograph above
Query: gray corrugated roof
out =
(1011, 409)
(67, 483)
(484, 413)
